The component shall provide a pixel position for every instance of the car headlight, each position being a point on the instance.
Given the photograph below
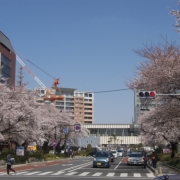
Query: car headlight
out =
(94, 159)
(107, 159)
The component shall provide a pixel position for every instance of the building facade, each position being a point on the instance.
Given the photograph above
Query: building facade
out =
(80, 104)
(114, 134)
(7, 59)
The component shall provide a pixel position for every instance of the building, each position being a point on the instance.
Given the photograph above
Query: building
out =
(7, 59)
(80, 104)
(114, 135)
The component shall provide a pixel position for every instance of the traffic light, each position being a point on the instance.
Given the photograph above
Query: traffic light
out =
(147, 94)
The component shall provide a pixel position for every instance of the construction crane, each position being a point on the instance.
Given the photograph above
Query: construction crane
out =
(48, 96)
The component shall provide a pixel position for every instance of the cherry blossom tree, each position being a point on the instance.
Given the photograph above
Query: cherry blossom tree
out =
(160, 72)
(176, 13)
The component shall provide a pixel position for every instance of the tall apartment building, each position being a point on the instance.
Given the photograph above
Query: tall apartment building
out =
(7, 59)
(81, 104)
(141, 105)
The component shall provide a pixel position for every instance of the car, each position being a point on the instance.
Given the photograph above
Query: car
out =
(92, 153)
(102, 159)
(112, 157)
(135, 159)
(168, 176)
(114, 153)
(120, 153)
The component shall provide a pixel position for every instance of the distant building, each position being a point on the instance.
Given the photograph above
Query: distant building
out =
(7, 59)
(80, 104)
(114, 135)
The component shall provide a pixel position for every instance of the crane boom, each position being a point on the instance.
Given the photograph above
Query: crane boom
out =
(48, 95)
(30, 72)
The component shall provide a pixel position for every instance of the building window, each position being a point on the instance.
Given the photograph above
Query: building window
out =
(6, 67)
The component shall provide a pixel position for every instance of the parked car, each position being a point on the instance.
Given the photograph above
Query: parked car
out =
(102, 159)
(120, 153)
(168, 176)
(135, 159)
(114, 153)
(112, 157)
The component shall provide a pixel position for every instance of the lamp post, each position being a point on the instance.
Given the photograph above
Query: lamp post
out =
(117, 143)
(121, 143)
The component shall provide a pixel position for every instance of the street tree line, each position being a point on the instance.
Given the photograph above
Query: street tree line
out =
(160, 72)
(23, 120)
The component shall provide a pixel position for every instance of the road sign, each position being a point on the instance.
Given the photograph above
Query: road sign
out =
(77, 127)
(54, 143)
(20, 151)
(65, 130)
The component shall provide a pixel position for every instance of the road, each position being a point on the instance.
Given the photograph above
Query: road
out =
(78, 168)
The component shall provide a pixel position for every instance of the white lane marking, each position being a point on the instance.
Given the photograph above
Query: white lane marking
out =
(48, 172)
(23, 172)
(97, 174)
(84, 174)
(57, 173)
(87, 164)
(40, 165)
(74, 167)
(118, 165)
(67, 164)
(150, 175)
(71, 173)
(53, 164)
(123, 174)
(137, 175)
(110, 174)
(33, 173)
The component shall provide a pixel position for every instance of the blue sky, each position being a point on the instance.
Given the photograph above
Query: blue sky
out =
(88, 44)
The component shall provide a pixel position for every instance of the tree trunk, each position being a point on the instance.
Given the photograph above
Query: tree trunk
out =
(173, 149)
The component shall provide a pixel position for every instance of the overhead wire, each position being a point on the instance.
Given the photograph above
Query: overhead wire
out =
(104, 91)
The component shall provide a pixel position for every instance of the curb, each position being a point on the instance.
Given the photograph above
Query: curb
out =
(177, 169)
(152, 169)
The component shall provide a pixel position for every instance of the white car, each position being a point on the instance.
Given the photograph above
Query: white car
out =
(114, 153)
(120, 153)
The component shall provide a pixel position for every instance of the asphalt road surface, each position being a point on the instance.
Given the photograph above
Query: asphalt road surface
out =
(78, 168)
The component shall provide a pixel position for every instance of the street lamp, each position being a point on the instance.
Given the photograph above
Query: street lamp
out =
(117, 143)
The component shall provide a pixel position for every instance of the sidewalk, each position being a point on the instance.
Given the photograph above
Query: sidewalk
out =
(164, 169)
(32, 163)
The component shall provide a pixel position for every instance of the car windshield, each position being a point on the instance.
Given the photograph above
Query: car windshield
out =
(101, 154)
(119, 150)
(135, 155)
(113, 151)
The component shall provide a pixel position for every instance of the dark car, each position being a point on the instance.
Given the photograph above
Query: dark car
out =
(92, 153)
(112, 157)
(168, 176)
(102, 159)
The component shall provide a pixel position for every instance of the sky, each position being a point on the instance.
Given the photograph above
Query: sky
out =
(88, 44)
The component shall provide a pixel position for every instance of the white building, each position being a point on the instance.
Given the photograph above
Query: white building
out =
(114, 134)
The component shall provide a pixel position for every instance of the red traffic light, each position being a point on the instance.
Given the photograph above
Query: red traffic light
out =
(152, 94)
(147, 94)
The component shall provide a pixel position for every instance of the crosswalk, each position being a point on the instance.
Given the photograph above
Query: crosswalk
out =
(74, 173)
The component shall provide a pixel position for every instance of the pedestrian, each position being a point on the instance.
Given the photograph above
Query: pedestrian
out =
(9, 164)
(154, 160)
(72, 154)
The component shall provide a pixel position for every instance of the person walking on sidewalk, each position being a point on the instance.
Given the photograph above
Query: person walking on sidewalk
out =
(154, 160)
(9, 164)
